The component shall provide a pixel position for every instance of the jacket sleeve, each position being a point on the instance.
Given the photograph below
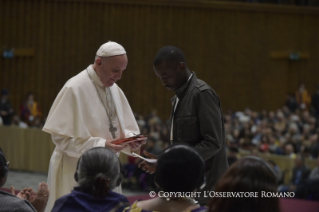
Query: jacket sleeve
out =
(210, 122)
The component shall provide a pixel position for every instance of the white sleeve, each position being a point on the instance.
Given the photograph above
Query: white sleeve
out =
(75, 147)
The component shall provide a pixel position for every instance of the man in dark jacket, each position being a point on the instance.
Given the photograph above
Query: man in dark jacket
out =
(196, 117)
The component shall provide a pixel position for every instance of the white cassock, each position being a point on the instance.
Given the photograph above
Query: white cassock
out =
(78, 122)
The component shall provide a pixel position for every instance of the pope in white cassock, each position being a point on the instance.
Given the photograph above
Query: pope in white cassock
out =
(90, 111)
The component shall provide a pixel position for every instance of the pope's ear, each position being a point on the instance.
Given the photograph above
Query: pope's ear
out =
(98, 61)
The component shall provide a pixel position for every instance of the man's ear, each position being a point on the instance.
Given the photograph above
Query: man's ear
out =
(182, 66)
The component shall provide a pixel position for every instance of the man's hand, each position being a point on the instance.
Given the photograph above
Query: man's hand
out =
(39, 201)
(115, 147)
(136, 145)
(146, 166)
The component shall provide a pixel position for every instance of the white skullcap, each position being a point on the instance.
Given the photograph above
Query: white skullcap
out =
(110, 49)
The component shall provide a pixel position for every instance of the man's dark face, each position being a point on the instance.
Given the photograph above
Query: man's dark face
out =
(170, 76)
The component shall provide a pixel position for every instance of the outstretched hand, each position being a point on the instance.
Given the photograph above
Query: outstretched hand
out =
(115, 147)
(146, 166)
(40, 198)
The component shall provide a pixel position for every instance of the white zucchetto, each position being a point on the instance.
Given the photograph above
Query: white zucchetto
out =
(110, 49)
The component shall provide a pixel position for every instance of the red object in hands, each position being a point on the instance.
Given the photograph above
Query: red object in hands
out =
(129, 140)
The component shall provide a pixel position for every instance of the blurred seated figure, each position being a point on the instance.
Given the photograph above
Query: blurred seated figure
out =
(6, 110)
(26, 200)
(314, 174)
(249, 174)
(299, 173)
(289, 150)
(309, 188)
(315, 104)
(17, 122)
(277, 171)
(314, 145)
(30, 109)
(302, 97)
(179, 169)
(98, 172)
(232, 155)
(291, 103)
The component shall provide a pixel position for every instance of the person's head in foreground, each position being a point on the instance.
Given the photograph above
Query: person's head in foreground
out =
(253, 176)
(110, 62)
(170, 66)
(179, 169)
(97, 174)
(26, 200)
(4, 169)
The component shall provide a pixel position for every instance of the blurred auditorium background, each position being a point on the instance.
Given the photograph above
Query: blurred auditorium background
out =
(260, 56)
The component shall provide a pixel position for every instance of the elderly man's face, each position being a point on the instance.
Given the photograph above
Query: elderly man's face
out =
(110, 69)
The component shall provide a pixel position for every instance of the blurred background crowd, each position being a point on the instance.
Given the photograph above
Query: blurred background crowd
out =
(292, 131)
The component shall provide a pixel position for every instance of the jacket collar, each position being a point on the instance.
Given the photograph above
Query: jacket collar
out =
(182, 90)
(179, 93)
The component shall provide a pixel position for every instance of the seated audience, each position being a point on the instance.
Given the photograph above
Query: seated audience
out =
(98, 172)
(299, 173)
(179, 169)
(27, 200)
(249, 174)
(309, 188)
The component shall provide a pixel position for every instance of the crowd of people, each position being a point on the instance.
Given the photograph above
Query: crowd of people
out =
(291, 130)
(190, 148)
(30, 114)
(180, 170)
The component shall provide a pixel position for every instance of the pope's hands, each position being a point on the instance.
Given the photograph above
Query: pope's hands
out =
(115, 147)
(146, 166)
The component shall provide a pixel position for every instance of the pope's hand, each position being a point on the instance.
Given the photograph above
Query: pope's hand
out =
(115, 147)
(146, 166)
(136, 145)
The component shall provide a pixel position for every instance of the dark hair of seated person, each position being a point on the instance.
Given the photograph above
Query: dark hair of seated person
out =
(98, 171)
(250, 174)
(180, 169)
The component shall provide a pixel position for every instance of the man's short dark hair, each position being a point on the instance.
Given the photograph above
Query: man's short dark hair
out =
(170, 54)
